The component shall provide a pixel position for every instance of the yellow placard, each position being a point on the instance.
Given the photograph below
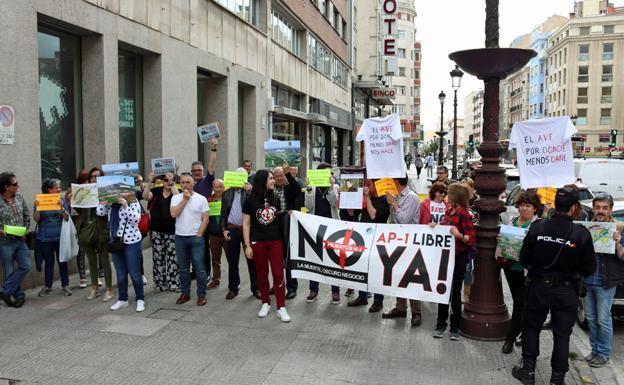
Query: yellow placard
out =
(547, 195)
(319, 178)
(386, 186)
(305, 210)
(235, 178)
(18, 231)
(214, 209)
(422, 197)
(48, 202)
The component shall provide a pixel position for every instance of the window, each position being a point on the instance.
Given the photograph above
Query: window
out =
(607, 29)
(400, 91)
(582, 96)
(285, 34)
(248, 10)
(581, 119)
(583, 52)
(583, 74)
(607, 73)
(584, 31)
(322, 6)
(319, 56)
(401, 53)
(607, 51)
(606, 95)
(340, 72)
(416, 74)
(60, 111)
(417, 56)
(130, 81)
(604, 138)
(605, 116)
(401, 71)
(401, 35)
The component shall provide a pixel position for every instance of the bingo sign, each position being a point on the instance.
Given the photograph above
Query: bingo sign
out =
(7, 125)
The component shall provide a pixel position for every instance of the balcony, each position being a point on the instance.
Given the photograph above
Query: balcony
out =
(515, 108)
(515, 92)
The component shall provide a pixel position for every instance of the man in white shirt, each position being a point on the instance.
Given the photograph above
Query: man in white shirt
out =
(190, 209)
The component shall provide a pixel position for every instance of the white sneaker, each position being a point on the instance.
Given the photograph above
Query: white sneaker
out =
(282, 314)
(144, 280)
(118, 305)
(264, 310)
(140, 305)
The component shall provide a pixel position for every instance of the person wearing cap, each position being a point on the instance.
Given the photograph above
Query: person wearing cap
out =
(557, 253)
(601, 287)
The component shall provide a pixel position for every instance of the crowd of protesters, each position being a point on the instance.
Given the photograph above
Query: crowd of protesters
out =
(188, 241)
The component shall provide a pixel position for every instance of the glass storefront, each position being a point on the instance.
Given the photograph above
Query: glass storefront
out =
(60, 114)
(283, 130)
(130, 108)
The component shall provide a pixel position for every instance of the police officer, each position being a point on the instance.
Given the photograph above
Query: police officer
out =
(557, 254)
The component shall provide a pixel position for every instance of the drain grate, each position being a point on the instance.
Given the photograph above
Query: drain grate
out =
(168, 314)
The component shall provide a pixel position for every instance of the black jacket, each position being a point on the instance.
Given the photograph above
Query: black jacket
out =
(293, 193)
(613, 270)
(226, 204)
(544, 240)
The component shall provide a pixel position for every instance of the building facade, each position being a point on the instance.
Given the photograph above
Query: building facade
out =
(473, 118)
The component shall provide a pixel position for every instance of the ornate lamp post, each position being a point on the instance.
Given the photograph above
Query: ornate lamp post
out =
(441, 133)
(456, 76)
(485, 315)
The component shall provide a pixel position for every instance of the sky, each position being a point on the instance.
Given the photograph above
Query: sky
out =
(455, 25)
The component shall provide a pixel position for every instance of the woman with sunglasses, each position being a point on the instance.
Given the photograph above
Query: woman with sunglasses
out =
(162, 232)
(433, 208)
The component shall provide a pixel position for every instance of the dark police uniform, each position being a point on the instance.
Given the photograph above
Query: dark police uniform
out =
(552, 282)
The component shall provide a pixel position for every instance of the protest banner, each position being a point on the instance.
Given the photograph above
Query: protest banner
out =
(410, 261)
(386, 186)
(214, 209)
(547, 195)
(161, 166)
(208, 131)
(84, 195)
(110, 188)
(510, 243)
(602, 235)
(48, 202)
(278, 151)
(127, 169)
(234, 179)
(319, 178)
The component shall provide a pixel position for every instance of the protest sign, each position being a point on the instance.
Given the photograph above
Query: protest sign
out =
(278, 151)
(128, 169)
(510, 243)
(544, 151)
(48, 202)
(351, 199)
(18, 231)
(161, 166)
(409, 261)
(383, 147)
(386, 186)
(110, 188)
(547, 195)
(235, 178)
(351, 188)
(208, 131)
(84, 195)
(319, 178)
(214, 209)
(602, 235)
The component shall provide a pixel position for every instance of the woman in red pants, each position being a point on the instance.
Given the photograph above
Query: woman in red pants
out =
(264, 241)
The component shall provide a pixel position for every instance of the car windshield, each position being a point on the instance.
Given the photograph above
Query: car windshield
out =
(618, 215)
(585, 194)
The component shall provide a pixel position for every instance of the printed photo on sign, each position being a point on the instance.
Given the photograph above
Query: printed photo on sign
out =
(351, 190)
(127, 169)
(278, 151)
(330, 251)
(110, 188)
(602, 235)
(208, 131)
(510, 243)
(161, 166)
(412, 261)
(84, 195)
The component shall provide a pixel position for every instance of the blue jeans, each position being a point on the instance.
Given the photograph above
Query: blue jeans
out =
(597, 304)
(314, 286)
(50, 253)
(190, 249)
(129, 262)
(14, 251)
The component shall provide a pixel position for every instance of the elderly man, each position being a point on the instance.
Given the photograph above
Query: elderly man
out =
(13, 250)
(217, 242)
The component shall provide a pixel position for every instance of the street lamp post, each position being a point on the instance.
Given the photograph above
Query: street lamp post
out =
(441, 133)
(456, 76)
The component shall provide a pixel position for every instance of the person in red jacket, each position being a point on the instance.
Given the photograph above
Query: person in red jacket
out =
(432, 209)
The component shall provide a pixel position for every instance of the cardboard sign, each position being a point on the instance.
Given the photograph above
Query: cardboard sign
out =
(319, 178)
(48, 202)
(386, 186)
(208, 132)
(18, 231)
(161, 166)
(235, 178)
(127, 169)
(547, 195)
(84, 195)
(214, 209)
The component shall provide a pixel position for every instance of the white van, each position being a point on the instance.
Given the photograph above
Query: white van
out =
(600, 174)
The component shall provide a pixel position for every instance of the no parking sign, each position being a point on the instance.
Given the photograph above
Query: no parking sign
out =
(7, 125)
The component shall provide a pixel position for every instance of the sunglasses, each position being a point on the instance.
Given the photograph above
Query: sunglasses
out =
(441, 192)
(14, 184)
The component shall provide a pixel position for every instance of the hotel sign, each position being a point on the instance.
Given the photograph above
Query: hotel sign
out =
(389, 8)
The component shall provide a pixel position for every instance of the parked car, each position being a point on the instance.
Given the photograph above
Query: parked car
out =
(601, 174)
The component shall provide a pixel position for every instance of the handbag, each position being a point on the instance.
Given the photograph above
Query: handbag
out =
(144, 223)
(116, 245)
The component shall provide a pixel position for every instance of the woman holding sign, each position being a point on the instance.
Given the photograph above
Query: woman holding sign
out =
(264, 241)
(49, 233)
(463, 230)
(528, 204)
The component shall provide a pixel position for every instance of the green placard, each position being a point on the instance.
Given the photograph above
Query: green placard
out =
(214, 208)
(319, 178)
(18, 231)
(235, 178)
